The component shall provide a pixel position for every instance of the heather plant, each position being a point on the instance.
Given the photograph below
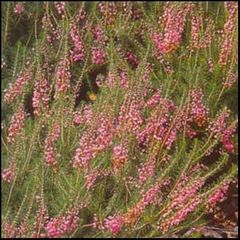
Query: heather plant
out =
(119, 119)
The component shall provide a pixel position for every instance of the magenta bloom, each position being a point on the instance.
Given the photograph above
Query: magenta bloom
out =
(114, 224)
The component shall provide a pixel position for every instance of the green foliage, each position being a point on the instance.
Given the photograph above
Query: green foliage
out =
(26, 47)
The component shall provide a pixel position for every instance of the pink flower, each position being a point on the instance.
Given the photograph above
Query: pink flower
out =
(119, 156)
(219, 194)
(108, 10)
(98, 56)
(86, 116)
(151, 196)
(49, 151)
(174, 18)
(111, 78)
(97, 33)
(226, 138)
(63, 77)
(219, 128)
(154, 100)
(9, 230)
(8, 174)
(91, 178)
(62, 225)
(199, 112)
(19, 8)
(41, 95)
(16, 89)
(93, 141)
(228, 33)
(123, 79)
(16, 125)
(130, 119)
(81, 14)
(78, 52)
(146, 170)
(210, 65)
(230, 79)
(85, 152)
(60, 6)
(218, 125)
(113, 224)
(197, 40)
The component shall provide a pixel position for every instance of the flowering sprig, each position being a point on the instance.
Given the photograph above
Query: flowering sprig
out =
(19, 8)
(78, 52)
(16, 89)
(63, 77)
(9, 173)
(49, 152)
(62, 225)
(41, 96)
(16, 125)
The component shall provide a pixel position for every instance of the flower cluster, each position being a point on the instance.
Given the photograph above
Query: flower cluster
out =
(218, 125)
(85, 116)
(111, 79)
(63, 77)
(146, 170)
(85, 152)
(98, 56)
(9, 230)
(181, 195)
(226, 138)
(97, 33)
(228, 33)
(104, 132)
(174, 18)
(53, 33)
(108, 11)
(219, 194)
(230, 79)
(77, 53)
(154, 100)
(124, 79)
(41, 95)
(180, 215)
(49, 152)
(41, 219)
(8, 174)
(218, 128)
(60, 7)
(93, 141)
(198, 41)
(113, 224)
(183, 201)
(81, 14)
(118, 100)
(199, 112)
(210, 65)
(16, 125)
(158, 126)
(130, 118)
(119, 156)
(151, 196)
(60, 226)
(91, 178)
(16, 89)
(19, 8)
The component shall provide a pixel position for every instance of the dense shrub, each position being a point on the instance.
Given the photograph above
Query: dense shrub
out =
(118, 118)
